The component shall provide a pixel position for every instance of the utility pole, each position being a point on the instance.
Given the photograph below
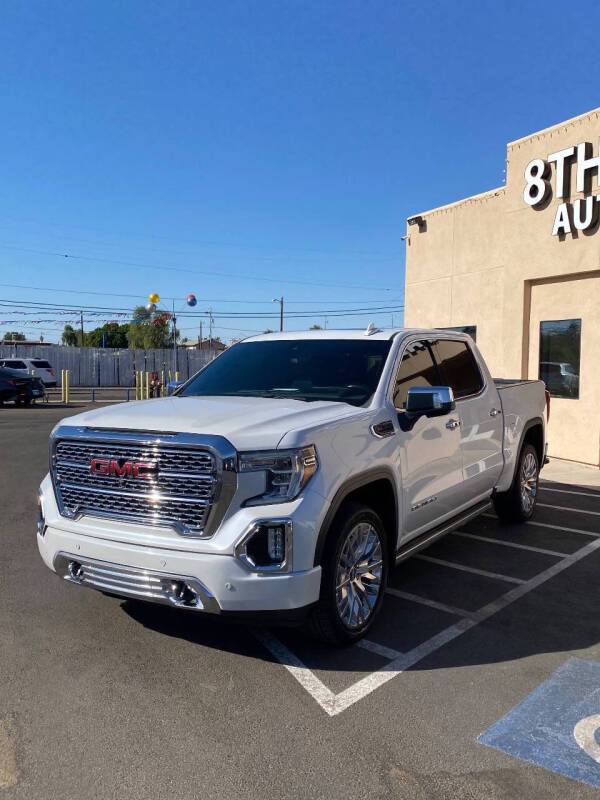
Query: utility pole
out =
(200, 339)
(280, 301)
(175, 359)
(81, 320)
(209, 311)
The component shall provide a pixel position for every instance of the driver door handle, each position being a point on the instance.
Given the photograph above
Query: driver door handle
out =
(452, 424)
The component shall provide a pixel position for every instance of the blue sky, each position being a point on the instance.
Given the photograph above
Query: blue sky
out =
(247, 150)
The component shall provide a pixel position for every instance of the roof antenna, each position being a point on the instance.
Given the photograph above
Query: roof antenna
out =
(371, 329)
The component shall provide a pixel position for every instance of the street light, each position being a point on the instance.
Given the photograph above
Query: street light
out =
(280, 301)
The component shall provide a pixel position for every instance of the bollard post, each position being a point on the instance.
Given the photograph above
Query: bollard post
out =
(163, 388)
(147, 395)
(67, 378)
(127, 400)
(177, 377)
(93, 395)
(62, 386)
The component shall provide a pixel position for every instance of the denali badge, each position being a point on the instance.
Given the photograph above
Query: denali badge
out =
(123, 469)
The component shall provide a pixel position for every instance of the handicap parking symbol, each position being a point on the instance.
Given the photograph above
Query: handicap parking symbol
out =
(558, 725)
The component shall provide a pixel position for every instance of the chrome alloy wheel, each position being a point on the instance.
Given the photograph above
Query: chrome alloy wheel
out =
(358, 575)
(529, 478)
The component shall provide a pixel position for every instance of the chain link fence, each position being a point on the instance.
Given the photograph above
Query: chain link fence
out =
(99, 366)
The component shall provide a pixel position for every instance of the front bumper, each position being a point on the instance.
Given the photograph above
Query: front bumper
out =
(224, 584)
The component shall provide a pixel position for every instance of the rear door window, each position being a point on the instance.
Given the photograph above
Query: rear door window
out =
(458, 367)
(417, 368)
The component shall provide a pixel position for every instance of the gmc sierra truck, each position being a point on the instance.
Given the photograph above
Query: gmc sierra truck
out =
(287, 477)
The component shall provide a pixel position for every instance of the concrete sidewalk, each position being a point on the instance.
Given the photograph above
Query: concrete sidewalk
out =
(562, 471)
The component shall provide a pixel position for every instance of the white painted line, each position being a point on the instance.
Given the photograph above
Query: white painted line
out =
(569, 491)
(484, 573)
(505, 543)
(562, 529)
(371, 682)
(425, 601)
(305, 677)
(548, 525)
(568, 508)
(378, 649)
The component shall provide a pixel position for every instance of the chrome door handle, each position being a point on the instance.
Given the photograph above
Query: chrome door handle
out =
(494, 412)
(452, 424)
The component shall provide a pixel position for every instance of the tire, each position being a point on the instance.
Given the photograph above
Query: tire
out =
(348, 604)
(23, 401)
(519, 502)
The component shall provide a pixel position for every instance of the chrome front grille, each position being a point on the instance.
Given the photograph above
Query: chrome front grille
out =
(179, 486)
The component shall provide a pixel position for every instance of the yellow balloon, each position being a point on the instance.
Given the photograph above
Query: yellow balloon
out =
(154, 298)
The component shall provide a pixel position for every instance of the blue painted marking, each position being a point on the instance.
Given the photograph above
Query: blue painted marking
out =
(558, 726)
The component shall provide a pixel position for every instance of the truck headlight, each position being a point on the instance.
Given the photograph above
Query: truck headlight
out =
(287, 472)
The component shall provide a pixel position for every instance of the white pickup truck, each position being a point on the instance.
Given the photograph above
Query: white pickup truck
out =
(289, 476)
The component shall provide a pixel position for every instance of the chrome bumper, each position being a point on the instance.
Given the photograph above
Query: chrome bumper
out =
(132, 582)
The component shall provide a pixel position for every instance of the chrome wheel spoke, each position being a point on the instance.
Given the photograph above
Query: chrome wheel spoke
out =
(529, 478)
(358, 575)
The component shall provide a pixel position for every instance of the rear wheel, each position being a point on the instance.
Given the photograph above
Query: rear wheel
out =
(355, 567)
(518, 503)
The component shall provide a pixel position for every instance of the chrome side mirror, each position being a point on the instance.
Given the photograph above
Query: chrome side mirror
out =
(426, 401)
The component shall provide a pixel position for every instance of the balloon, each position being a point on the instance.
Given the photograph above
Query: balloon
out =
(154, 298)
(191, 300)
(151, 307)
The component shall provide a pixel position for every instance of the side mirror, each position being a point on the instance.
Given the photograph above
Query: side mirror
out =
(426, 401)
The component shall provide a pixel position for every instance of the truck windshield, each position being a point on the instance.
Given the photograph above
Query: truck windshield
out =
(338, 370)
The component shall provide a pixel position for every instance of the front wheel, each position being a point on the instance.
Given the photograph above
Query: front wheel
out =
(355, 568)
(518, 503)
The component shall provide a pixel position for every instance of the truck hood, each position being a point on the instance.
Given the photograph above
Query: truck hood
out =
(249, 423)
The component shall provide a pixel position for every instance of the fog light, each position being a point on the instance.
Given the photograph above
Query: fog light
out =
(267, 546)
(276, 543)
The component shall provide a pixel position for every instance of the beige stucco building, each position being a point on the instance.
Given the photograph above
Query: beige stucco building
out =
(521, 265)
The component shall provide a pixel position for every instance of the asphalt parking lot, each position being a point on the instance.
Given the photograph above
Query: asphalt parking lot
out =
(104, 698)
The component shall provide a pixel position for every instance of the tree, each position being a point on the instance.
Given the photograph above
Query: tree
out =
(69, 337)
(149, 333)
(111, 334)
(315, 328)
(13, 336)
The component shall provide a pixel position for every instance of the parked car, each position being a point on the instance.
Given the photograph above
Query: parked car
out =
(39, 367)
(289, 476)
(23, 389)
(560, 378)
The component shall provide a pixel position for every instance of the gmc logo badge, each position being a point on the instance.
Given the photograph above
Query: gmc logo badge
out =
(122, 469)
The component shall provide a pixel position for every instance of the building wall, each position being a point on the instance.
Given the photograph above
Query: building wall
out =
(491, 260)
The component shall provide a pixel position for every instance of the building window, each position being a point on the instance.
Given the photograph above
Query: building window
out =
(560, 350)
(470, 329)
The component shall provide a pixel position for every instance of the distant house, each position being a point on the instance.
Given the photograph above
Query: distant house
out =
(205, 344)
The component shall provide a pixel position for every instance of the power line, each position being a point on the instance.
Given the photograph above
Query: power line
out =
(165, 297)
(44, 307)
(219, 273)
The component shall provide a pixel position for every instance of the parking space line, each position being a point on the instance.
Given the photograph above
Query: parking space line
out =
(568, 508)
(484, 573)
(548, 525)
(547, 488)
(376, 679)
(379, 649)
(305, 677)
(504, 543)
(425, 601)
